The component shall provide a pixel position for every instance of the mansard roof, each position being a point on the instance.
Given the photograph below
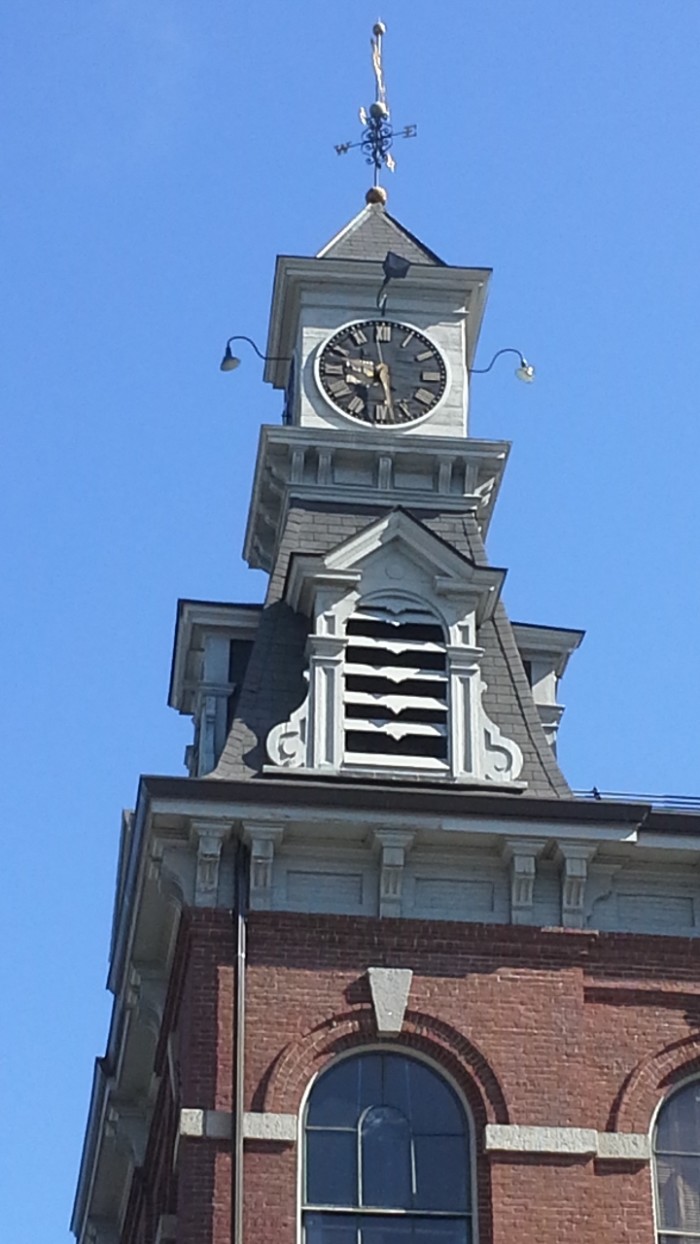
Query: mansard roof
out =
(275, 685)
(372, 233)
(450, 569)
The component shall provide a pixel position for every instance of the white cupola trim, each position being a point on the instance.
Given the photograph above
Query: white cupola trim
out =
(394, 667)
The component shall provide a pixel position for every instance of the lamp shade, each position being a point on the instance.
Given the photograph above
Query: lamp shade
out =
(525, 372)
(229, 362)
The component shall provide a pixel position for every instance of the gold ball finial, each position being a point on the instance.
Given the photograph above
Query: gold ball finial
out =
(376, 194)
(379, 28)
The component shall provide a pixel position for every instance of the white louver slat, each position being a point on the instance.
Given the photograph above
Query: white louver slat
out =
(394, 673)
(395, 703)
(397, 729)
(396, 689)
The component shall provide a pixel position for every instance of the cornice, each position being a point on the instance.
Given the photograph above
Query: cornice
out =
(460, 475)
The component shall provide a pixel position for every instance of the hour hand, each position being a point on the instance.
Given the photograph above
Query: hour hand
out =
(360, 371)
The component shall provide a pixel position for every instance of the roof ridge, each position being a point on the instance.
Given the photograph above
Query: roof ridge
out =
(416, 240)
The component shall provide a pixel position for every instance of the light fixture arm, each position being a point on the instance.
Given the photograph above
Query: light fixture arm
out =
(525, 371)
(481, 371)
(230, 362)
(240, 337)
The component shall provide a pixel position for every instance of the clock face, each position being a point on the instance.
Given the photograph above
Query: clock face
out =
(382, 372)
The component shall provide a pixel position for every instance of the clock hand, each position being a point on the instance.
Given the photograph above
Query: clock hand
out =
(383, 375)
(385, 380)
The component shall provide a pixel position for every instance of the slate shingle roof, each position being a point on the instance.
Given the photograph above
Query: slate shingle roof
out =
(274, 684)
(372, 233)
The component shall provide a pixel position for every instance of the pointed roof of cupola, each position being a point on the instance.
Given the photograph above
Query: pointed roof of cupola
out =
(372, 233)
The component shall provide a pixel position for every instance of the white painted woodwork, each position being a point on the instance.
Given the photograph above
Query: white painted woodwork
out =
(365, 466)
(395, 573)
(313, 298)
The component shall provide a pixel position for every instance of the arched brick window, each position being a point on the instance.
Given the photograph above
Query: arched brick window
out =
(386, 1155)
(677, 1167)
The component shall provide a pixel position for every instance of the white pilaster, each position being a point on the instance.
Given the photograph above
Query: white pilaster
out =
(327, 685)
(463, 673)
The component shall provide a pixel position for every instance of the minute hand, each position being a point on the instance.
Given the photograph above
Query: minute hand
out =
(384, 378)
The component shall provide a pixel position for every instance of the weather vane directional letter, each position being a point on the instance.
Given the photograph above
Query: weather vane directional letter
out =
(378, 133)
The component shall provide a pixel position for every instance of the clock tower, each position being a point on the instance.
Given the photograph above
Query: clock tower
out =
(379, 975)
(351, 364)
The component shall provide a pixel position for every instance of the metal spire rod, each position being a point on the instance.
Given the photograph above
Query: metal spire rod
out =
(378, 133)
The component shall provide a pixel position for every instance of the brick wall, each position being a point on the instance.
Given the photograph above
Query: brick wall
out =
(551, 1028)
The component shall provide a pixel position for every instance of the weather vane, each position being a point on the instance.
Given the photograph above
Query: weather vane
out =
(378, 133)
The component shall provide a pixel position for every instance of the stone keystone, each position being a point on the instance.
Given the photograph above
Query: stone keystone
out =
(389, 988)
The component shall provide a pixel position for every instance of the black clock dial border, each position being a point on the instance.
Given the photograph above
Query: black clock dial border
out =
(382, 372)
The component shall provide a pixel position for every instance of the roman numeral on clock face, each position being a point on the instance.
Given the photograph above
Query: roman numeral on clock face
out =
(424, 397)
(339, 388)
(355, 405)
(382, 332)
(358, 336)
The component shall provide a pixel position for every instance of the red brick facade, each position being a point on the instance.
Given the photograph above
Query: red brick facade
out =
(549, 1028)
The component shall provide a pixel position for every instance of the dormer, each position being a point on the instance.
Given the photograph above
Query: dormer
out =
(394, 663)
(545, 653)
(347, 360)
(210, 656)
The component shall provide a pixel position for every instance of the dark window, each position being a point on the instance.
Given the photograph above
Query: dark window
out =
(386, 1157)
(677, 1164)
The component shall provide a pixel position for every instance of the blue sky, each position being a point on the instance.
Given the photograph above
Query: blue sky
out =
(157, 156)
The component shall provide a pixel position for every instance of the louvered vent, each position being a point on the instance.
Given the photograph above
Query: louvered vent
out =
(396, 689)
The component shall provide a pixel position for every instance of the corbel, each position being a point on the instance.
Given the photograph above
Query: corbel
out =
(574, 858)
(262, 840)
(209, 837)
(100, 1231)
(522, 855)
(126, 1126)
(393, 845)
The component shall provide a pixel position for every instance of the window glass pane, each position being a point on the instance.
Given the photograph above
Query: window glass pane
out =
(678, 1182)
(331, 1168)
(679, 1239)
(678, 1128)
(442, 1231)
(423, 1096)
(441, 1173)
(386, 1159)
(330, 1229)
(406, 1230)
(341, 1094)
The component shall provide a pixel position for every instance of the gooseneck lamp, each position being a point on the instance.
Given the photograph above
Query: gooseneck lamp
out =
(230, 362)
(525, 371)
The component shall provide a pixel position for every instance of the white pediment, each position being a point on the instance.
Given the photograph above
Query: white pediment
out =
(399, 554)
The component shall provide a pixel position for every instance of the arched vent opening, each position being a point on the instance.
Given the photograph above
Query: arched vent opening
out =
(396, 688)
